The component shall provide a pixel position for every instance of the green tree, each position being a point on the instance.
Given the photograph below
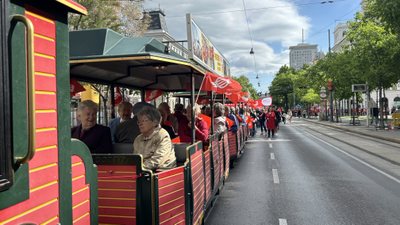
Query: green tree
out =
(125, 17)
(386, 11)
(310, 97)
(247, 86)
(282, 86)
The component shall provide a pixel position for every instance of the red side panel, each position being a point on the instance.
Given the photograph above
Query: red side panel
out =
(216, 163)
(207, 163)
(171, 196)
(198, 185)
(239, 139)
(80, 193)
(221, 158)
(117, 194)
(233, 147)
(42, 205)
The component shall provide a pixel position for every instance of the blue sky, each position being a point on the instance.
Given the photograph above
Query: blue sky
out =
(274, 26)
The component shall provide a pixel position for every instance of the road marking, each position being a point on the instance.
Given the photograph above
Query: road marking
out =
(282, 221)
(358, 160)
(272, 156)
(275, 176)
(270, 145)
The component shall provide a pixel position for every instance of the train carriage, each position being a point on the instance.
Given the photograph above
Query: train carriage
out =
(46, 177)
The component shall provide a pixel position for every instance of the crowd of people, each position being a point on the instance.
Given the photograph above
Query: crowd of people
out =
(152, 131)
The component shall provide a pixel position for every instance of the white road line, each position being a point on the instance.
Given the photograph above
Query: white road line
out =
(282, 221)
(358, 160)
(270, 145)
(275, 176)
(272, 156)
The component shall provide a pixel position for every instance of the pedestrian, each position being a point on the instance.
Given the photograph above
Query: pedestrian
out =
(289, 116)
(271, 121)
(261, 119)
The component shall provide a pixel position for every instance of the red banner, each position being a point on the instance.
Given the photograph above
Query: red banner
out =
(75, 87)
(152, 94)
(220, 85)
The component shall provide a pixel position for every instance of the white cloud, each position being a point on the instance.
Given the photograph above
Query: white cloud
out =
(274, 24)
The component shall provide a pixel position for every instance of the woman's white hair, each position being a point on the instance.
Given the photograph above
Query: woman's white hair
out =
(87, 104)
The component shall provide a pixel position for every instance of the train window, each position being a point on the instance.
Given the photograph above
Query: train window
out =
(5, 127)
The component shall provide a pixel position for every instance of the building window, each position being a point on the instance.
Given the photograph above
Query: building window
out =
(5, 115)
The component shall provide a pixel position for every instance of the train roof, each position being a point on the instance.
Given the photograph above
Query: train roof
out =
(105, 56)
(73, 6)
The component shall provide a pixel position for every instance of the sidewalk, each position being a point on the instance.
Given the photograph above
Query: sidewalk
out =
(392, 135)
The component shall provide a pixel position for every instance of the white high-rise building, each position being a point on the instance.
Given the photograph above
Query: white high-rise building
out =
(340, 40)
(303, 54)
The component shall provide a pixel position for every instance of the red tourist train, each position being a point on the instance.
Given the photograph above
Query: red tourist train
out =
(48, 178)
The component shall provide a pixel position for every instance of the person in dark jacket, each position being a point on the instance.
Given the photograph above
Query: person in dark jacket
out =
(95, 136)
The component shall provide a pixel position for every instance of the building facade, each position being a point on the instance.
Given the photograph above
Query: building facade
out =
(340, 40)
(158, 29)
(303, 54)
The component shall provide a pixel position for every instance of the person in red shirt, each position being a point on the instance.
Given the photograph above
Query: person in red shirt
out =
(270, 121)
(200, 126)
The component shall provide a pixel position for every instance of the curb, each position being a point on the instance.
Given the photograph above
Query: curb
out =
(355, 131)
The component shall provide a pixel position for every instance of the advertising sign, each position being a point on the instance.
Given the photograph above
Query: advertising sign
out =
(203, 51)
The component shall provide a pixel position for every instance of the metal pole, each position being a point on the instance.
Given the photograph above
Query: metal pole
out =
(331, 105)
(192, 102)
(329, 40)
(112, 101)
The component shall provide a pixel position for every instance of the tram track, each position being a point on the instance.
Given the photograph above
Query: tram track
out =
(357, 146)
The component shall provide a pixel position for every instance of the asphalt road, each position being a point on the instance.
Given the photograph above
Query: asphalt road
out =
(304, 178)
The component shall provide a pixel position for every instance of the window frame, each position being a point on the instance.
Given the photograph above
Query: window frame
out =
(6, 170)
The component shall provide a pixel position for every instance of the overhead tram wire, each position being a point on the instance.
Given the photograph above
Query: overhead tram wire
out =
(251, 39)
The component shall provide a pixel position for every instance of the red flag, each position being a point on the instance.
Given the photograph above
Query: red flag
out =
(230, 122)
(117, 96)
(220, 84)
(245, 96)
(152, 94)
(75, 87)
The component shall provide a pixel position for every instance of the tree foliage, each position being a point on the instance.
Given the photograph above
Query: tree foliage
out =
(247, 86)
(376, 52)
(385, 11)
(125, 17)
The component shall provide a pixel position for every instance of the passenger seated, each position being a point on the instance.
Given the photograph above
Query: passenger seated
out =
(95, 136)
(167, 125)
(127, 131)
(153, 142)
(125, 114)
(183, 128)
(230, 114)
(219, 118)
(200, 126)
(165, 111)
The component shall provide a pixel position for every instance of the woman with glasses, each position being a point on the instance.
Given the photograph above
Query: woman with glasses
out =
(153, 142)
